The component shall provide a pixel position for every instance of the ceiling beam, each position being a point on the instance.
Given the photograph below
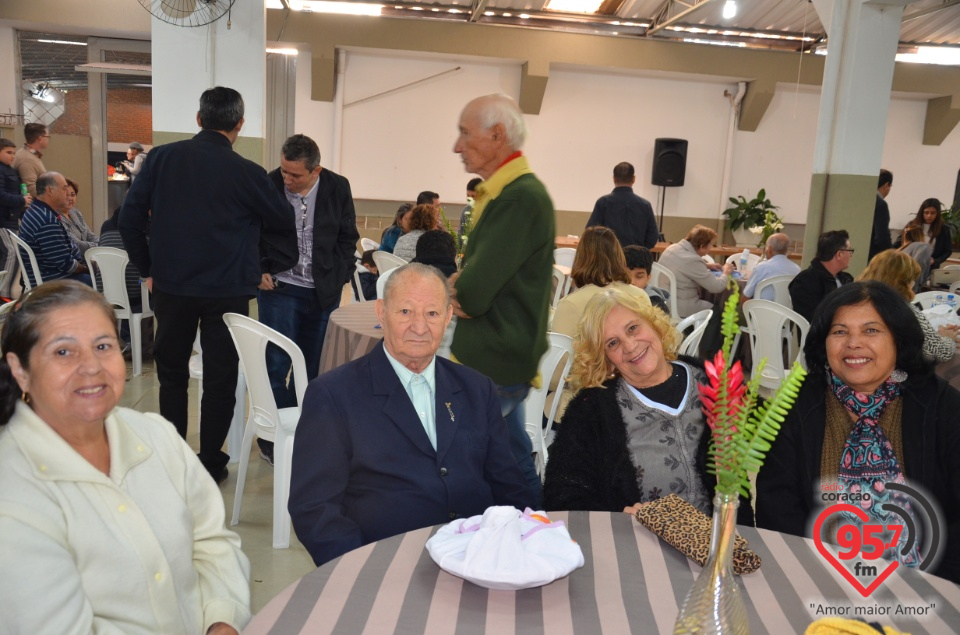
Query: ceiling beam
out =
(479, 6)
(930, 10)
(661, 25)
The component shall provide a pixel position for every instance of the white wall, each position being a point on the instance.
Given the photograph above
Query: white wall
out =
(398, 144)
(919, 171)
(779, 155)
(187, 61)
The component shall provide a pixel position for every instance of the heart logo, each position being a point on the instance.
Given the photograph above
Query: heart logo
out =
(828, 555)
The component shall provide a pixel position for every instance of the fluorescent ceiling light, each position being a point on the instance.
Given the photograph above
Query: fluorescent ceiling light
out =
(524, 16)
(283, 51)
(729, 9)
(344, 8)
(574, 6)
(932, 55)
(694, 40)
(63, 42)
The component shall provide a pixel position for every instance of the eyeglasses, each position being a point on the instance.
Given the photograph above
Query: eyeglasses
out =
(848, 250)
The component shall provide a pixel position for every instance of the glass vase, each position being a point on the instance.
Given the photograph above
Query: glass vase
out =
(714, 603)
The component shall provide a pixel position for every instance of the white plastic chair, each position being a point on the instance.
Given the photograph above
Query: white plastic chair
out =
(945, 276)
(562, 286)
(659, 273)
(356, 280)
(955, 287)
(265, 420)
(752, 261)
(386, 261)
(368, 243)
(564, 256)
(112, 264)
(930, 299)
(691, 343)
(771, 328)
(558, 355)
(781, 289)
(382, 281)
(24, 248)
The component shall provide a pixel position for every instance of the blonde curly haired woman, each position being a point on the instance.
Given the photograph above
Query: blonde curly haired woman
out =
(635, 431)
(898, 270)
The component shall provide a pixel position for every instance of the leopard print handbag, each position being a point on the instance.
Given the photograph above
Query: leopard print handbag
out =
(688, 530)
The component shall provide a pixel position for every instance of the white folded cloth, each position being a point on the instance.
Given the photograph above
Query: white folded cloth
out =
(506, 550)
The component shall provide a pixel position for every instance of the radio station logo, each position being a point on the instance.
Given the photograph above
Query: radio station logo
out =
(870, 549)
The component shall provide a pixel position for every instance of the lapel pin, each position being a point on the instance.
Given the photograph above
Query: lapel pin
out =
(450, 410)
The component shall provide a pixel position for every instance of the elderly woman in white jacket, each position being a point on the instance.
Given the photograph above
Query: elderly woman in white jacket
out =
(108, 521)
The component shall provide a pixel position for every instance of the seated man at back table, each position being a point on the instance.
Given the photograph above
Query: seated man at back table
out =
(776, 264)
(400, 439)
(42, 229)
(825, 273)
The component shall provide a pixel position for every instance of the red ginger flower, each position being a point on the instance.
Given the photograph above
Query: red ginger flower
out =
(709, 392)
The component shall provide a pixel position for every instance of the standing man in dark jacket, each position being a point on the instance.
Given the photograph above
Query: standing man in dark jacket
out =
(628, 215)
(217, 224)
(825, 273)
(880, 235)
(298, 302)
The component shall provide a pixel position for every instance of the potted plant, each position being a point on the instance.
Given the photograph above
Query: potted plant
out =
(771, 225)
(951, 218)
(746, 214)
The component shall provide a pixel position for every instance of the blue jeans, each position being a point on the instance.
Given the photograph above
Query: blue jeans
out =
(295, 312)
(511, 407)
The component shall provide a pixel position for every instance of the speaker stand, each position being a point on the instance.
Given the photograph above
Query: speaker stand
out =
(663, 196)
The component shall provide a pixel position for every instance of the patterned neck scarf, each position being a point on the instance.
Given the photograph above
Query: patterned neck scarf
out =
(868, 461)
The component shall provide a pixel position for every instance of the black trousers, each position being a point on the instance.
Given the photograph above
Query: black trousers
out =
(177, 320)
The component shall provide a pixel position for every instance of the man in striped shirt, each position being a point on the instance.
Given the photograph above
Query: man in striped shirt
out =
(41, 228)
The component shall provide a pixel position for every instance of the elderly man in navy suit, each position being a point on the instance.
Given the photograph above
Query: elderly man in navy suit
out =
(400, 439)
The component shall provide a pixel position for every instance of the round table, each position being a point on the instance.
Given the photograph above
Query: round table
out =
(631, 582)
(352, 332)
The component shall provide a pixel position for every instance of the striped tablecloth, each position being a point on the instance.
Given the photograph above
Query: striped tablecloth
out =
(351, 333)
(631, 582)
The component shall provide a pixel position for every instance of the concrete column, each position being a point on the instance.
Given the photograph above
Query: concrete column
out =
(861, 48)
(187, 61)
(9, 82)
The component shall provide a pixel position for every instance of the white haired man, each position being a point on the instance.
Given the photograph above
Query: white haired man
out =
(503, 291)
(776, 264)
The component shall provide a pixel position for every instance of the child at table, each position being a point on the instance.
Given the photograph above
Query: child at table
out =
(12, 204)
(640, 263)
(368, 279)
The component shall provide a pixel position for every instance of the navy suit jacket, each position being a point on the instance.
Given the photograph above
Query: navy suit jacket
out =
(364, 469)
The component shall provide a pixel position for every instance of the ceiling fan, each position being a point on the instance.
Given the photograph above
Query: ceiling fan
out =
(188, 12)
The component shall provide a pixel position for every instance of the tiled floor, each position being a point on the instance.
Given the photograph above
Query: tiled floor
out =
(271, 570)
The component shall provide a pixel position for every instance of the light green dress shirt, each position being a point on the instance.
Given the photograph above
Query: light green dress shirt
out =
(422, 390)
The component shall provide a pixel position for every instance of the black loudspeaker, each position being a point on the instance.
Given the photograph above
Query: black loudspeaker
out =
(669, 162)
